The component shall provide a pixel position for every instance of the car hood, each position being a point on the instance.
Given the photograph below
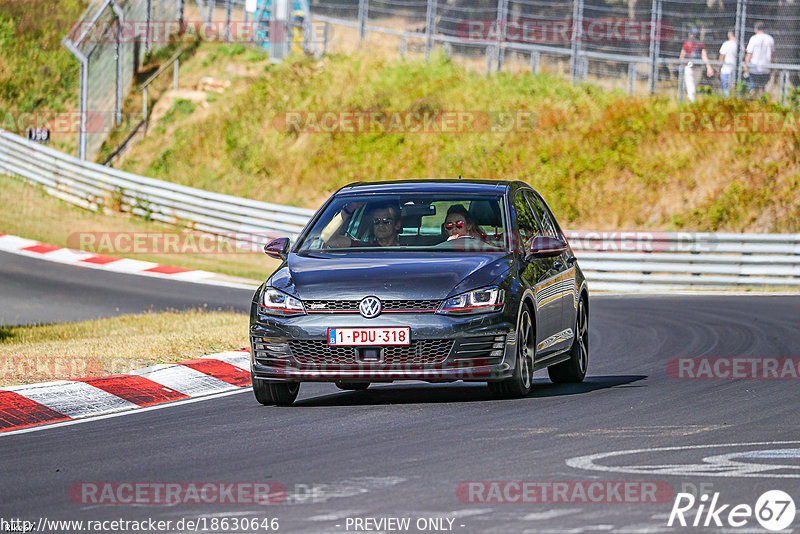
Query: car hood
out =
(388, 276)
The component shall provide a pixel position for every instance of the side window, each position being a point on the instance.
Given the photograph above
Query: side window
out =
(542, 215)
(526, 222)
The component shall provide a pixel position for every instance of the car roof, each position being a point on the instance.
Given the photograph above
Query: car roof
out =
(430, 186)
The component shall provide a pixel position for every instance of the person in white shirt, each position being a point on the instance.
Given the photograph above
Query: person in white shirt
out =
(727, 55)
(760, 52)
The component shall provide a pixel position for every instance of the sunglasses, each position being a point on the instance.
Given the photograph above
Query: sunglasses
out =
(382, 220)
(458, 224)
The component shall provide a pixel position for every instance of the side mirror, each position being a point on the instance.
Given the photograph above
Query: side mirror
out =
(277, 248)
(546, 247)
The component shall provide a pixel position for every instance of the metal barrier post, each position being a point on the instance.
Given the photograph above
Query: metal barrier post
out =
(228, 6)
(535, 62)
(577, 34)
(631, 79)
(325, 37)
(652, 75)
(681, 77)
(363, 13)
(430, 22)
(784, 83)
(120, 14)
(148, 39)
(741, 25)
(144, 104)
(502, 17)
(402, 47)
(175, 70)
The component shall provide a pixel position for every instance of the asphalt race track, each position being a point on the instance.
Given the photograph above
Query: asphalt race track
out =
(36, 291)
(406, 452)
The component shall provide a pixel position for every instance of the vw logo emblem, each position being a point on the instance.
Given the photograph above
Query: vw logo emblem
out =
(370, 307)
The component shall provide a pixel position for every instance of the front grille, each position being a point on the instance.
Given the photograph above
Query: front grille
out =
(420, 352)
(351, 306)
(480, 350)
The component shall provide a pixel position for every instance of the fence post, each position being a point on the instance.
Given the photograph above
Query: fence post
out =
(681, 78)
(430, 22)
(175, 69)
(120, 15)
(325, 37)
(363, 13)
(741, 25)
(402, 47)
(179, 9)
(148, 39)
(652, 75)
(83, 95)
(502, 18)
(784, 83)
(631, 79)
(228, 6)
(490, 58)
(211, 7)
(535, 62)
(577, 34)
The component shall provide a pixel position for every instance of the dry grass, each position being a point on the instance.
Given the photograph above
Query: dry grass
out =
(100, 347)
(29, 212)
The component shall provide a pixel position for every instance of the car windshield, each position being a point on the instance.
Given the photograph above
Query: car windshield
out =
(405, 222)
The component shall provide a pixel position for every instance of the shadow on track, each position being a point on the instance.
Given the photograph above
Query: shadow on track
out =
(380, 394)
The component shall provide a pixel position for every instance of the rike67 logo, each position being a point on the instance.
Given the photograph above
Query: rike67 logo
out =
(774, 510)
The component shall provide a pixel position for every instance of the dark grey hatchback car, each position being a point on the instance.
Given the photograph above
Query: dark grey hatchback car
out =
(434, 280)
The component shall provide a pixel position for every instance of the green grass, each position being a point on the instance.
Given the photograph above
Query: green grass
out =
(37, 74)
(602, 160)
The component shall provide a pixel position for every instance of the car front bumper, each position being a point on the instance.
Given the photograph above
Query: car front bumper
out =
(443, 348)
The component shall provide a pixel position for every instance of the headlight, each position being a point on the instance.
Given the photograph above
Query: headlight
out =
(484, 300)
(275, 302)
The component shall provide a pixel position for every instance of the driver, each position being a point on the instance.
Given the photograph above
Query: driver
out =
(385, 225)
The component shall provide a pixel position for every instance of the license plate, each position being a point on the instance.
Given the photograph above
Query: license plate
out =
(357, 337)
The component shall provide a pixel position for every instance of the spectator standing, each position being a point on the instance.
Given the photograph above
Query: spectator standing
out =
(693, 50)
(727, 55)
(760, 52)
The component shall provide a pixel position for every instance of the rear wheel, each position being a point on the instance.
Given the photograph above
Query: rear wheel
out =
(520, 383)
(351, 386)
(574, 369)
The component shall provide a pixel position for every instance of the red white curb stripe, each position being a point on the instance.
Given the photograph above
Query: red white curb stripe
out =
(35, 249)
(64, 400)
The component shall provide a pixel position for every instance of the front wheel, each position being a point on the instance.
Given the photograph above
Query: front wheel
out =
(284, 393)
(574, 369)
(262, 392)
(520, 383)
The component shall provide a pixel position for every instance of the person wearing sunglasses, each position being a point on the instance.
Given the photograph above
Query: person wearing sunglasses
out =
(384, 221)
(459, 223)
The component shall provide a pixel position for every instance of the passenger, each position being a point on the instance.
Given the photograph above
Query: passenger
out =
(459, 223)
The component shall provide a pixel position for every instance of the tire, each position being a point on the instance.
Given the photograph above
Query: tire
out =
(351, 386)
(574, 369)
(262, 392)
(284, 393)
(521, 382)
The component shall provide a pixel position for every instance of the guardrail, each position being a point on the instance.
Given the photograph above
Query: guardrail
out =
(94, 186)
(614, 261)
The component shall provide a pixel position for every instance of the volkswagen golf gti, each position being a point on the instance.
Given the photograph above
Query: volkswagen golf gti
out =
(433, 280)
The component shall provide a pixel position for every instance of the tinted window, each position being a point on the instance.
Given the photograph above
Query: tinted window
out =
(527, 224)
(548, 226)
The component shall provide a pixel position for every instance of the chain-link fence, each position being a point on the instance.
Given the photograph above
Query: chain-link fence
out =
(111, 41)
(634, 45)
